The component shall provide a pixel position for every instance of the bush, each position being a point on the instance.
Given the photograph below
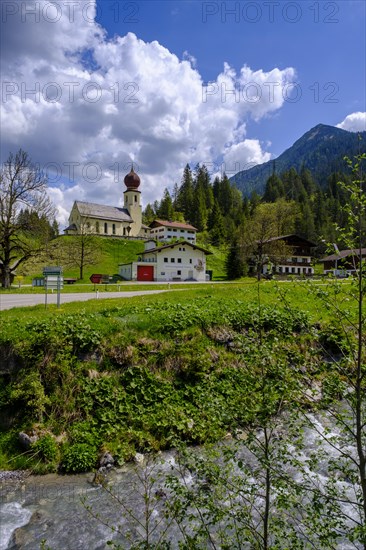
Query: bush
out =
(79, 457)
(46, 448)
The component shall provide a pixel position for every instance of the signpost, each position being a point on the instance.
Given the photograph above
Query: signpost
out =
(53, 280)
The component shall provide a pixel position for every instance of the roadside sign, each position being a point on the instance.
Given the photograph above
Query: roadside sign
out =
(53, 280)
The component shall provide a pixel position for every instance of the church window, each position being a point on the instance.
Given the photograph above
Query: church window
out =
(135, 198)
(105, 228)
(113, 228)
(124, 231)
(97, 227)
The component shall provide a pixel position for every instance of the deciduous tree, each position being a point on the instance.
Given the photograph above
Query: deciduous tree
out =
(22, 186)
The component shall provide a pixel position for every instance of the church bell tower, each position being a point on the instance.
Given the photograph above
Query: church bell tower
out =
(132, 201)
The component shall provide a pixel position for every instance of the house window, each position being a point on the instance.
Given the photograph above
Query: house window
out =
(172, 260)
(97, 227)
(190, 260)
(165, 259)
(179, 273)
(105, 228)
(179, 260)
(113, 228)
(162, 272)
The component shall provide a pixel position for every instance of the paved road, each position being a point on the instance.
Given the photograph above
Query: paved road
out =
(8, 301)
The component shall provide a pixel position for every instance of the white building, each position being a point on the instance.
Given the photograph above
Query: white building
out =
(100, 219)
(179, 261)
(162, 230)
(293, 258)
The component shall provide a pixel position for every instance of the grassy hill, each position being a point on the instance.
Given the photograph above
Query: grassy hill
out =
(109, 253)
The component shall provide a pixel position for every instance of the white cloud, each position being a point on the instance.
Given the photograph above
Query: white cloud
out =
(355, 122)
(244, 155)
(88, 105)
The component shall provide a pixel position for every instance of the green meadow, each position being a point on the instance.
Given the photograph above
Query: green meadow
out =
(143, 374)
(108, 254)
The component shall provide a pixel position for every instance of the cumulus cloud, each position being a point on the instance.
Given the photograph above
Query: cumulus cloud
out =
(355, 122)
(84, 106)
(243, 156)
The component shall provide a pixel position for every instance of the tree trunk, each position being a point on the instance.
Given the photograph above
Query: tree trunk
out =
(6, 277)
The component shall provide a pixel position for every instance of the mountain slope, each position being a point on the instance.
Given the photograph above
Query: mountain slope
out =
(321, 150)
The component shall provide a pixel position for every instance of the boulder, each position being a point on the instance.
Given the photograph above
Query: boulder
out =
(139, 458)
(106, 460)
(26, 440)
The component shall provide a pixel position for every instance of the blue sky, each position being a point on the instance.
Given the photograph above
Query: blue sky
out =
(324, 41)
(92, 85)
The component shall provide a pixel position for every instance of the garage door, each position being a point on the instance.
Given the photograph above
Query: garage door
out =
(145, 272)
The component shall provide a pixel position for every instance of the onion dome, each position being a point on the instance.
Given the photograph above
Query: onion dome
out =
(132, 181)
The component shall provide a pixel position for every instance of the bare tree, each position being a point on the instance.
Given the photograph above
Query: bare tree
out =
(83, 249)
(22, 185)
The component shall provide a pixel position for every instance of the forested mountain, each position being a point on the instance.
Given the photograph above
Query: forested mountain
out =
(292, 202)
(320, 150)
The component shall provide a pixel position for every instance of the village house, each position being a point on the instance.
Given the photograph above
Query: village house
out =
(293, 256)
(162, 230)
(178, 261)
(343, 262)
(100, 219)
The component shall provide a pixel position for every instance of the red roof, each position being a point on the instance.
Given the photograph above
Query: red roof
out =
(178, 225)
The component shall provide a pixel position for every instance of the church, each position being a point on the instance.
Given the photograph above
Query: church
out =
(99, 219)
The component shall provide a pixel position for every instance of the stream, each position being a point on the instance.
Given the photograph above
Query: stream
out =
(53, 508)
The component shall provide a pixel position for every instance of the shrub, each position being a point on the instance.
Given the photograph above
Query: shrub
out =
(46, 448)
(79, 457)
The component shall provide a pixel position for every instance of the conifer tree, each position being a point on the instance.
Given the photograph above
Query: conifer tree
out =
(274, 189)
(185, 199)
(166, 210)
(216, 225)
(234, 264)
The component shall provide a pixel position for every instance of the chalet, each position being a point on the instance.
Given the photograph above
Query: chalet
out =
(292, 258)
(343, 262)
(166, 230)
(178, 261)
(100, 219)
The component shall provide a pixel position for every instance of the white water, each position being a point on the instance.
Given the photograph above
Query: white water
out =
(49, 508)
(12, 515)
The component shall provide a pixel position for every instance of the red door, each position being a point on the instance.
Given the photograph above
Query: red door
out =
(145, 272)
